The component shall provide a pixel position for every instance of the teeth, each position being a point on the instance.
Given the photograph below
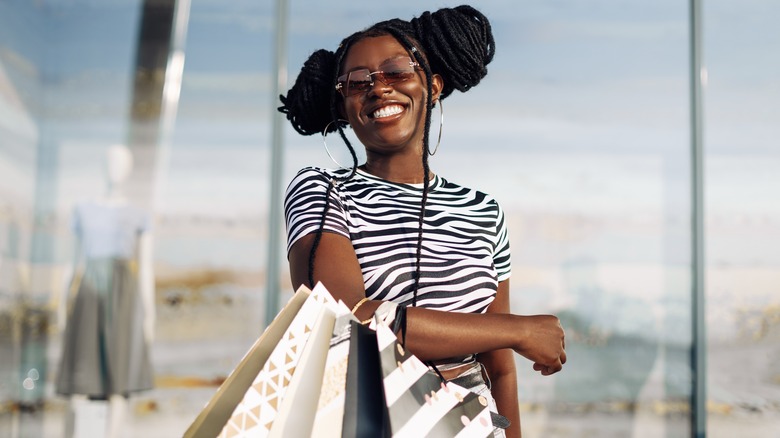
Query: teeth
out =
(387, 111)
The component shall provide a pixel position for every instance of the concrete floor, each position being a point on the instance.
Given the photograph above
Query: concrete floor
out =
(164, 413)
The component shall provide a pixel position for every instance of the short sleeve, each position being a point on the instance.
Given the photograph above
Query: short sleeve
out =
(502, 254)
(304, 204)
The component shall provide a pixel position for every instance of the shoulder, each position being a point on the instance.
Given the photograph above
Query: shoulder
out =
(308, 177)
(314, 182)
(312, 173)
(479, 196)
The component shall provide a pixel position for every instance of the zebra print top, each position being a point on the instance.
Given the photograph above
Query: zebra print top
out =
(465, 247)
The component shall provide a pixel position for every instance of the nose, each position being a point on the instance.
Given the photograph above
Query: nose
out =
(378, 87)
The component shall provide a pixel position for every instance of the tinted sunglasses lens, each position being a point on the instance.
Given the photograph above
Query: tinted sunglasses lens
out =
(396, 71)
(358, 81)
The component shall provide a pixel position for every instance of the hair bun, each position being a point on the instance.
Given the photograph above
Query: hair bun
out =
(307, 104)
(458, 43)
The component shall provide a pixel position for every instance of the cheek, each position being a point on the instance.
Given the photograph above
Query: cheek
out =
(350, 109)
(415, 91)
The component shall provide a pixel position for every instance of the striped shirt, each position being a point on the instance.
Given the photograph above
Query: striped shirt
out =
(465, 246)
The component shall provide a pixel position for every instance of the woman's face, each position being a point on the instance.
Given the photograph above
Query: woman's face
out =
(386, 118)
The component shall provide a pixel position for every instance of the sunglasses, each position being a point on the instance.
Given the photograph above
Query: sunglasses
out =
(389, 73)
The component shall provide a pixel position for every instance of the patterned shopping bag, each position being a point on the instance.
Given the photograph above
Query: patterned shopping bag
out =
(253, 407)
(419, 403)
(262, 402)
(299, 405)
(373, 387)
(219, 409)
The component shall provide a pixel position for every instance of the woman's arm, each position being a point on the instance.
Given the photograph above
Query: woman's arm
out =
(500, 366)
(432, 334)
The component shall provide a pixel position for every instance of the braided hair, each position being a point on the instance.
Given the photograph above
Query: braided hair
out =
(456, 43)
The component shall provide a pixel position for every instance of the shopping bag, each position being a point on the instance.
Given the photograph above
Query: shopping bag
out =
(365, 410)
(255, 398)
(329, 418)
(295, 417)
(352, 362)
(219, 409)
(419, 403)
(262, 401)
(381, 380)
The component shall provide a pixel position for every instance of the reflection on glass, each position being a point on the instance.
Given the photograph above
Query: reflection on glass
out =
(584, 141)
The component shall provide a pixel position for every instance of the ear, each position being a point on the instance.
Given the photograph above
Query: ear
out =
(437, 84)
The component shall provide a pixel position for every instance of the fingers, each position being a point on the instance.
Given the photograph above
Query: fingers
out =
(545, 370)
(553, 368)
(557, 366)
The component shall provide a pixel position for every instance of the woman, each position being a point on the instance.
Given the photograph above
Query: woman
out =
(392, 230)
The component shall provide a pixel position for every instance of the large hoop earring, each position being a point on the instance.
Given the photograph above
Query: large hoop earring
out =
(441, 126)
(324, 142)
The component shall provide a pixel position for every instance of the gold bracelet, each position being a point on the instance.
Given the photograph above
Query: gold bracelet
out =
(367, 321)
(359, 303)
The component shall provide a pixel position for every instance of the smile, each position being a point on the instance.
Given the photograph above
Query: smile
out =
(387, 111)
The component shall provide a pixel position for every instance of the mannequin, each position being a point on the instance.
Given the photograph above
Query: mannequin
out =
(109, 321)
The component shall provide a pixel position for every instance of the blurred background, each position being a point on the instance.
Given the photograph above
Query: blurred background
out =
(582, 130)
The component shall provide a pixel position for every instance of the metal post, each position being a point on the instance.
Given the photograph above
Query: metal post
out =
(174, 71)
(277, 151)
(699, 339)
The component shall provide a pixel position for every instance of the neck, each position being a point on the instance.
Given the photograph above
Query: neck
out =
(397, 175)
(398, 168)
(114, 195)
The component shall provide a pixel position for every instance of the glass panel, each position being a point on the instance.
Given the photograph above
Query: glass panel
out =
(64, 74)
(743, 217)
(591, 161)
(21, 46)
(586, 112)
(212, 212)
(70, 86)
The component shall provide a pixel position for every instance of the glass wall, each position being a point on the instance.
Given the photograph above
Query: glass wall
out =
(21, 51)
(590, 108)
(743, 217)
(581, 131)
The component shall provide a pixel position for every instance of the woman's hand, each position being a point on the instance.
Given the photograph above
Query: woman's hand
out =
(542, 342)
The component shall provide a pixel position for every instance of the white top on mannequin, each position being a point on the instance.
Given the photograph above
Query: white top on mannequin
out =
(110, 226)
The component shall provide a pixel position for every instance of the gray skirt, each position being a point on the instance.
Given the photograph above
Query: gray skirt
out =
(104, 351)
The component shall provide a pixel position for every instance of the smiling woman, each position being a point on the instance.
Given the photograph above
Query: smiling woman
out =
(388, 117)
(390, 229)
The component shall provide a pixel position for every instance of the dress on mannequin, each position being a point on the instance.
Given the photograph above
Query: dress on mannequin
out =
(105, 349)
